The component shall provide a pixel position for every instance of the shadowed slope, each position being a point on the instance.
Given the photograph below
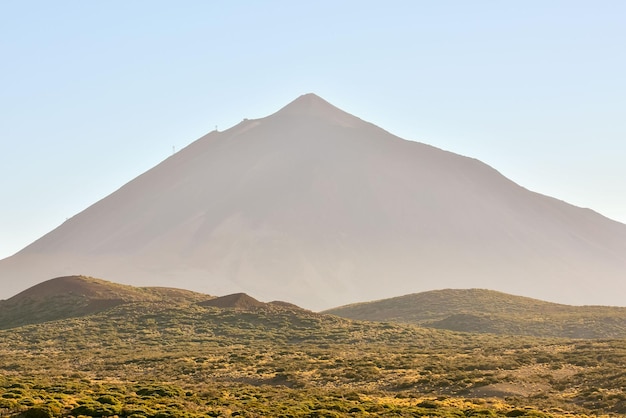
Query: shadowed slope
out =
(486, 311)
(318, 207)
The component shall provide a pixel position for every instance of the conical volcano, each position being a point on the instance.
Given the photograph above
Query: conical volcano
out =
(320, 208)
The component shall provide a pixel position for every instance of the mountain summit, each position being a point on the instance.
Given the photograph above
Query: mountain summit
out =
(318, 207)
(312, 106)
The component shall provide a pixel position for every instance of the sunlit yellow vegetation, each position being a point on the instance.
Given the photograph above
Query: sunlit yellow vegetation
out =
(157, 360)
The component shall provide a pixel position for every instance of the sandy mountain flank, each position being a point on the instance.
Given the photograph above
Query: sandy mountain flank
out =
(320, 208)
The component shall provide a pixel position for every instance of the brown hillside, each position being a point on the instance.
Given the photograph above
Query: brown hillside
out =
(236, 301)
(73, 296)
(283, 304)
(175, 294)
(488, 311)
(81, 286)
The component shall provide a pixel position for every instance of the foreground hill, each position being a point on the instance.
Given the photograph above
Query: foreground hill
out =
(78, 296)
(74, 296)
(487, 311)
(315, 206)
(151, 359)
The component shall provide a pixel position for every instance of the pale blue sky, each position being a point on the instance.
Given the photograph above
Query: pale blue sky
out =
(95, 93)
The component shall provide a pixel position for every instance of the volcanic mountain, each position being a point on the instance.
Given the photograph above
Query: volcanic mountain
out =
(321, 208)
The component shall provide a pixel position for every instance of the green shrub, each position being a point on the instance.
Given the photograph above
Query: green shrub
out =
(480, 413)
(108, 400)
(38, 412)
(163, 391)
(428, 404)
(97, 410)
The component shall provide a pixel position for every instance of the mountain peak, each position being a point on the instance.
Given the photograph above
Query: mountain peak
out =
(313, 105)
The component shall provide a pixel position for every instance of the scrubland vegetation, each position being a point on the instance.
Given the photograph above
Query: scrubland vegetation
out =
(158, 360)
(488, 311)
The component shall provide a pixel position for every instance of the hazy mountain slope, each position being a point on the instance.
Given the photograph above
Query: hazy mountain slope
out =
(478, 310)
(318, 207)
